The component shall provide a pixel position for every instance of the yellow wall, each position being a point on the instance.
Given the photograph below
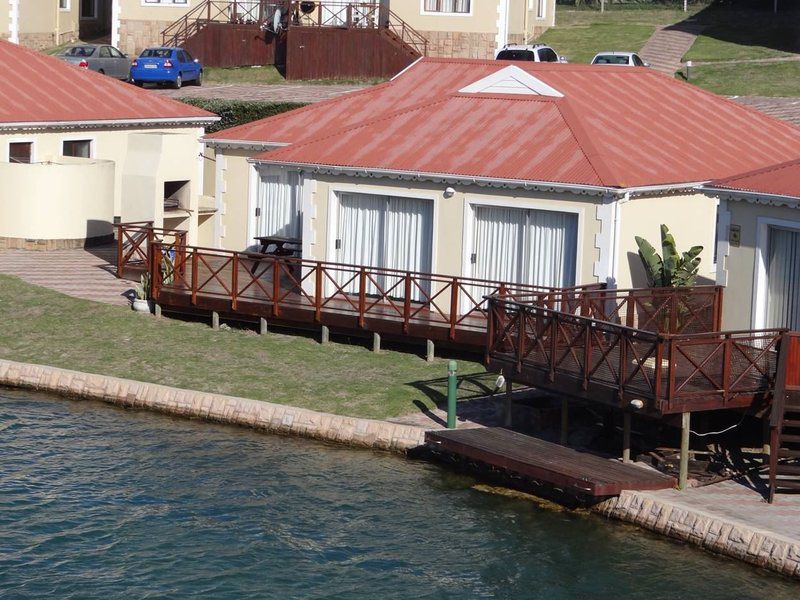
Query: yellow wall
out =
(739, 267)
(66, 200)
(43, 24)
(134, 9)
(140, 174)
(232, 187)
(5, 20)
(483, 17)
(691, 218)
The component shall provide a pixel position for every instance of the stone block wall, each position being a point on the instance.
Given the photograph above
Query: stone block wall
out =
(454, 44)
(8, 243)
(135, 36)
(38, 41)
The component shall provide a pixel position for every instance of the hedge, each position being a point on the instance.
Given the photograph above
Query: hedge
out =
(238, 112)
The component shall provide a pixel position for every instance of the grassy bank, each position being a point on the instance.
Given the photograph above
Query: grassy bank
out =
(45, 327)
(749, 79)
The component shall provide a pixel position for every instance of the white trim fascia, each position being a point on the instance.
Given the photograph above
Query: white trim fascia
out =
(13, 21)
(527, 84)
(308, 214)
(761, 280)
(723, 242)
(501, 39)
(243, 144)
(754, 197)
(220, 165)
(42, 125)
(407, 68)
(604, 241)
(252, 191)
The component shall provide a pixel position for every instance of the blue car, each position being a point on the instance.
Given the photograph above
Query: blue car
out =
(166, 65)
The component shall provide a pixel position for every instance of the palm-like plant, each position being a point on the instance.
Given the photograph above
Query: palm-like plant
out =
(670, 269)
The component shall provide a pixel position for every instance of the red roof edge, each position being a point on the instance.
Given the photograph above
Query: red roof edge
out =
(725, 182)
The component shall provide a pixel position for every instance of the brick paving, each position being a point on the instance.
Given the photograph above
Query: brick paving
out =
(283, 92)
(87, 274)
(786, 109)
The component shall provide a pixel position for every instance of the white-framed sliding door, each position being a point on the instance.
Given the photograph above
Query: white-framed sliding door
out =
(278, 206)
(386, 232)
(777, 285)
(523, 245)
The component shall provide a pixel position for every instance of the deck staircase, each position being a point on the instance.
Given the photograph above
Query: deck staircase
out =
(667, 46)
(784, 471)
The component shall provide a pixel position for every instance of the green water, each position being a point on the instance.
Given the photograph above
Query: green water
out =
(97, 502)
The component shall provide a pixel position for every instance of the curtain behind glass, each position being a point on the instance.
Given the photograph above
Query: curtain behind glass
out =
(407, 244)
(279, 202)
(551, 249)
(360, 234)
(783, 278)
(498, 246)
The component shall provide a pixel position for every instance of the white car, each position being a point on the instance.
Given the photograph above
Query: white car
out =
(534, 52)
(620, 59)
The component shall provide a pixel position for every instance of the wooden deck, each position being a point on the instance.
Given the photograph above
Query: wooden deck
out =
(547, 464)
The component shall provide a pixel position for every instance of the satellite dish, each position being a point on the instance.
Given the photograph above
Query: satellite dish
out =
(308, 7)
(276, 20)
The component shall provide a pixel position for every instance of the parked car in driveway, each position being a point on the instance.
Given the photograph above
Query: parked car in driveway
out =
(622, 59)
(531, 52)
(98, 57)
(166, 65)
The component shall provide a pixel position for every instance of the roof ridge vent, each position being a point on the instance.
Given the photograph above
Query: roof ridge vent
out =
(511, 80)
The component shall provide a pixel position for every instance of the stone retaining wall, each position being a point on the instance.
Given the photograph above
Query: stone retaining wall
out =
(722, 536)
(9, 243)
(266, 416)
(459, 44)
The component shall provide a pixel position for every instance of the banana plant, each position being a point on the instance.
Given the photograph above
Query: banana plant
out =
(670, 269)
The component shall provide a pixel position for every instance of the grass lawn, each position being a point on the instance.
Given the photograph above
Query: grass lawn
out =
(580, 34)
(765, 79)
(268, 75)
(45, 327)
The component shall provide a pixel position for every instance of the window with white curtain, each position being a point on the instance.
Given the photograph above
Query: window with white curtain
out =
(514, 245)
(447, 6)
(541, 9)
(278, 208)
(385, 232)
(783, 278)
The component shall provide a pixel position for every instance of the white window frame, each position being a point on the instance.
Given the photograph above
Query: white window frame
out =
(540, 4)
(760, 289)
(67, 5)
(80, 138)
(167, 3)
(32, 141)
(427, 13)
(473, 201)
(334, 206)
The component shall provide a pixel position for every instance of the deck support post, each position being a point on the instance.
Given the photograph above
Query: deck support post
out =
(766, 433)
(214, 320)
(262, 326)
(430, 350)
(157, 310)
(376, 342)
(626, 437)
(564, 422)
(683, 474)
(324, 335)
(507, 420)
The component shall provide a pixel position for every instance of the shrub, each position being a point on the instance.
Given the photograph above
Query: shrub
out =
(239, 112)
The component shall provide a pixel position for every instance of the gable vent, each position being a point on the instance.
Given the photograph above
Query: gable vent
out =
(511, 80)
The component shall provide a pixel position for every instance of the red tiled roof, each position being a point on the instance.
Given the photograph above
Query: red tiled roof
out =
(777, 180)
(612, 127)
(37, 88)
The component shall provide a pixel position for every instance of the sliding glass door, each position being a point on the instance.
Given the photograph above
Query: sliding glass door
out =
(279, 205)
(783, 278)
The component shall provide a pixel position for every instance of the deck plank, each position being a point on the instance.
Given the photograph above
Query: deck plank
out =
(577, 472)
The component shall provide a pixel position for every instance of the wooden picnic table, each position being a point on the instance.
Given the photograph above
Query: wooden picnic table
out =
(280, 243)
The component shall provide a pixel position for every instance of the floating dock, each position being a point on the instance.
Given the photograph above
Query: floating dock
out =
(547, 464)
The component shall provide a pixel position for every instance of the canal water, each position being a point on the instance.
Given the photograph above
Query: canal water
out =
(98, 502)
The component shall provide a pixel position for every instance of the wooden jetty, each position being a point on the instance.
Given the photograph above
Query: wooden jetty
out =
(547, 464)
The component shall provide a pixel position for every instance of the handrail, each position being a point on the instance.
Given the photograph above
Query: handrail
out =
(213, 11)
(134, 240)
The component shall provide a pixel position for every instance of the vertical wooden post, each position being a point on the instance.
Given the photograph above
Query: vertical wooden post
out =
(362, 295)
(521, 319)
(507, 404)
(276, 287)
(564, 422)
(626, 437)
(194, 276)
(453, 307)
(406, 302)
(234, 280)
(318, 292)
(683, 473)
(120, 266)
(727, 350)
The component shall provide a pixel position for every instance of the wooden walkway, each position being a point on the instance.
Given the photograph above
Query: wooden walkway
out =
(544, 463)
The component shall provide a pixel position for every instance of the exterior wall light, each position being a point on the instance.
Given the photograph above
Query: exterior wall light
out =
(449, 192)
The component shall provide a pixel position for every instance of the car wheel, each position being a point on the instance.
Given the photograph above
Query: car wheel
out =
(199, 80)
(101, 72)
(178, 82)
(137, 83)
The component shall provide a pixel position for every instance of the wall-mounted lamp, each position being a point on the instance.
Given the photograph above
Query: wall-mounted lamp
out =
(449, 192)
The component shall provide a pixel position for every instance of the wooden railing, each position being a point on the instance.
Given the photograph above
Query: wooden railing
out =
(215, 11)
(668, 373)
(408, 303)
(135, 240)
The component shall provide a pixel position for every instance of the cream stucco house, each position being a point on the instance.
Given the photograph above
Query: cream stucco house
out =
(79, 150)
(493, 170)
(453, 28)
(39, 23)
(758, 255)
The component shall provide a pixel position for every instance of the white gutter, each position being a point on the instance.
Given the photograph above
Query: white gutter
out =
(407, 68)
(731, 194)
(108, 123)
(215, 142)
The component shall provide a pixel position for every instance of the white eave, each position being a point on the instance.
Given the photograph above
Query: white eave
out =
(752, 197)
(243, 144)
(113, 123)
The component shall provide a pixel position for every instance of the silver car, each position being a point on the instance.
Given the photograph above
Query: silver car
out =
(98, 57)
(624, 59)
